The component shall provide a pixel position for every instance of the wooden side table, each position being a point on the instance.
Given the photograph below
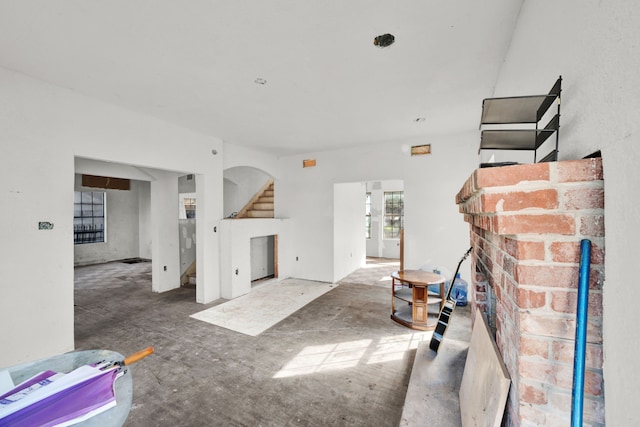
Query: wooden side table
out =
(410, 298)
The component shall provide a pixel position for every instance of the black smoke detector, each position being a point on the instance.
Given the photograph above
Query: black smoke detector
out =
(384, 40)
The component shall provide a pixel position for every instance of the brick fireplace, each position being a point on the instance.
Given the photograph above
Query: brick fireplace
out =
(526, 223)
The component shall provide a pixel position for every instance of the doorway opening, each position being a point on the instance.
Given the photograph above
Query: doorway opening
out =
(187, 204)
(264, 259)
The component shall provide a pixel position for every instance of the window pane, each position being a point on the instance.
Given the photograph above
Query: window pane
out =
(393, 214)
(388, 228)
(388, 208)
(88, 220)
(367, 212)
(367, 226)
(77, 197)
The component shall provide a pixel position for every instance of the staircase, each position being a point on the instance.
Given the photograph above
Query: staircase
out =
(188, 278)
(261, 205)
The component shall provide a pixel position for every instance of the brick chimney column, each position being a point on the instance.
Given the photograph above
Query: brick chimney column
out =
(526, 223)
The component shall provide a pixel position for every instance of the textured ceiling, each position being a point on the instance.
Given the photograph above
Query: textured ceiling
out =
(195, 64)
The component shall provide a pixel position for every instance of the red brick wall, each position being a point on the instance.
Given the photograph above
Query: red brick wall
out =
(526, 223)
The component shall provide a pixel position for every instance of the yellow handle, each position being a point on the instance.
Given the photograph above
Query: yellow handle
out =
(138, 356)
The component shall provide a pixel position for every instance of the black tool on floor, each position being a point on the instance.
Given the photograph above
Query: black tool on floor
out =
(446, 312)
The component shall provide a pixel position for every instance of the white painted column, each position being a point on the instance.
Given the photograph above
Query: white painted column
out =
(349, 246)
(209, 206)
(165, 248)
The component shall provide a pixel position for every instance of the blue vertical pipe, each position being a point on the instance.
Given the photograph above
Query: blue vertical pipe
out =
(577, 394)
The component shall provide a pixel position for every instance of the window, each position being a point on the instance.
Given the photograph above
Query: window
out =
(190, 207)
(393, 214)
(88, 217)
(367, 218)
(187, 206)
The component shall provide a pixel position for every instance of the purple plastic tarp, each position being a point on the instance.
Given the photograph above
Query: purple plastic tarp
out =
(68, 404)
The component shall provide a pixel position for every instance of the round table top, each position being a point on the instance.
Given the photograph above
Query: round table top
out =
(418, 277)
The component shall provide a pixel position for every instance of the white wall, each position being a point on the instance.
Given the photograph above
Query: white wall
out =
(595, 46)
(241, 184)
(187, 234)
(433, 224)
(230, 190)
(349, 249)
(121, 238)
(209, 211)
(36, 266)
(165, 245)
(140, 178)
(377, 246)
(43, 129)
(187, 226)
(144, 219)
(187, 184)
(237, 155)
(236, 251)
(245, 172)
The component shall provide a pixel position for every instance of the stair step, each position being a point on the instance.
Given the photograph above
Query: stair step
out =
(260, 214)
(262, 206)
(268, 193)
(265, 200)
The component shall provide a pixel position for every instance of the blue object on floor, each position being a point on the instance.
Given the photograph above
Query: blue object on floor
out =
(459, 291)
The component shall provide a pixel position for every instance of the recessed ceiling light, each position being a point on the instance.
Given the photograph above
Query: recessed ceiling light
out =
(419, 119)
(260, 81)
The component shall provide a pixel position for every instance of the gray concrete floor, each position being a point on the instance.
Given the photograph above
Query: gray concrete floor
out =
(204, 375)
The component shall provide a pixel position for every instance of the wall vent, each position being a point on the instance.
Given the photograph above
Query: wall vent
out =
(419, 150)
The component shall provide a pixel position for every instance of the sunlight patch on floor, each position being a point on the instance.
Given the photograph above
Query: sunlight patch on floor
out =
(331, 357)
(395, 347)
